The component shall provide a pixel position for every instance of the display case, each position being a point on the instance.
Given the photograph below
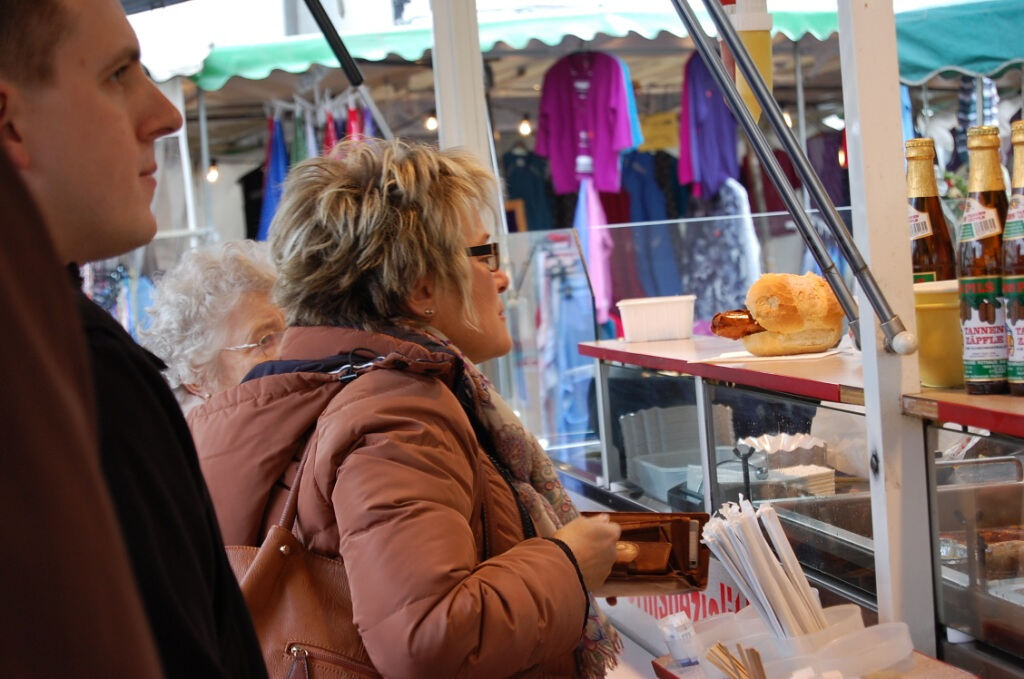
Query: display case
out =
(978, 525)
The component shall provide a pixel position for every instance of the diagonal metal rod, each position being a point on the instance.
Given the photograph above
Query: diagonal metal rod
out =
(890, 323)
(768, 159)
(348, 64)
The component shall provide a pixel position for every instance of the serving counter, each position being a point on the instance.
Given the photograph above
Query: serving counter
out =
(682, 449)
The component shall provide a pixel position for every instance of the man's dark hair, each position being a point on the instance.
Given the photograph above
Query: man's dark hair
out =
(30, 31)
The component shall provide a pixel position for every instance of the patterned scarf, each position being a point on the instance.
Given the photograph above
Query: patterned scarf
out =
(533, 477)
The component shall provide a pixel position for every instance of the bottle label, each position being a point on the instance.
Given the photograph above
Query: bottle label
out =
(982, 319)
(978, 221)
(920, 223)
(1015, 219)
(925, 277)
(1013, 293)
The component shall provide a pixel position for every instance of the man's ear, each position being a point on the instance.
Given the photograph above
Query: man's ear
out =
(10, 137)
(422, 298)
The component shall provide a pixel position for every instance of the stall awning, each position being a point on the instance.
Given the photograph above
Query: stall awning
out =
(932, 40)
(973, 38)
(298, 54)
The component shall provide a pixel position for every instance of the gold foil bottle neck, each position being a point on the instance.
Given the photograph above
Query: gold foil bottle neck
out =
(983, 137)
(984, 172)
(1017, 132)
(920, 172)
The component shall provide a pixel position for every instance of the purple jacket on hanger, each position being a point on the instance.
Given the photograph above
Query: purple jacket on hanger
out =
(584, 111)
(714, 130)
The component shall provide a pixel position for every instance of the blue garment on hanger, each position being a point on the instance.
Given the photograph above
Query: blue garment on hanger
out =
(906, 110)
(526, 178)
(277, 170)
(634, 116)
(655, 245)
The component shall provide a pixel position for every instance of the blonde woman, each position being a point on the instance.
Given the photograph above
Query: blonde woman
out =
(465, 556)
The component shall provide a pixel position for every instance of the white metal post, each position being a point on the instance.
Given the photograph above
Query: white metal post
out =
(899, 489)
(459, 78)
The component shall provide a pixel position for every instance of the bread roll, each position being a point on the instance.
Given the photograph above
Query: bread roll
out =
(800, 315)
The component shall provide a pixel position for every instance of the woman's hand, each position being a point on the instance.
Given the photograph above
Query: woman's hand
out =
(592, 541)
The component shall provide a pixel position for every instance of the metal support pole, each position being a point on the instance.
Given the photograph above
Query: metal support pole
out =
(801, 110)
(204, 159)
(897, 339)
(764, 152)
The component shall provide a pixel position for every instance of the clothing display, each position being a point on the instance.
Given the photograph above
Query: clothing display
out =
(198, 617)
(721, 257)
(596, 244)
(656, 245)
(384, 483)
(277, 170)
(712, 129)
(584, 114)
(526, 179)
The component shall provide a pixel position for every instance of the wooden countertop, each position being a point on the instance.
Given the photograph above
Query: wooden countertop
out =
(998, 414)
(924, 667)
(837, 377)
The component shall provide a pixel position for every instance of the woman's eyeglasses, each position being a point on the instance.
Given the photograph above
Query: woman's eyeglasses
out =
(265, 344)
(488, 252)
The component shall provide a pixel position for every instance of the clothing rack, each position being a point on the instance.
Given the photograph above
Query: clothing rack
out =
(348, 64)
(897, 338)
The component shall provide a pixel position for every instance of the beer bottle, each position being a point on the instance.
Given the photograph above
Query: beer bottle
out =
(1013, 265)
(979, 265)
(931, 249)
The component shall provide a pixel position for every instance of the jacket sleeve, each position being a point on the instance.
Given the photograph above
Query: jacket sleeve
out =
(423, 602)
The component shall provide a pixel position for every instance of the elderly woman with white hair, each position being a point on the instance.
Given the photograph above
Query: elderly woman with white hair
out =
(464, 554)
(213, 319)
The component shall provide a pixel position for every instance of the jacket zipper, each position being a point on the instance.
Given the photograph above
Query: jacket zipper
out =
(301, 653)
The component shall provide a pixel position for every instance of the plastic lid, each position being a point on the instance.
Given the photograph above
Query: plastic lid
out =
(751, 15)
(936, 286)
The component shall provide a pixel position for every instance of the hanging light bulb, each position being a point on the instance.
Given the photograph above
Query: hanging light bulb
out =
(788, 118)
(842, 158)
(213, 173)
(525, 128)
(431, 122)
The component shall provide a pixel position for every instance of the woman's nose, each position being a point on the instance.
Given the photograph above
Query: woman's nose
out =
(502, 280)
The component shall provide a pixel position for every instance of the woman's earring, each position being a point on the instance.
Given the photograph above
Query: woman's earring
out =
(428, 312)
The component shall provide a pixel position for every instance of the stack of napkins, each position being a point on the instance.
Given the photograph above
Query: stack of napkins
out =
(811, 478)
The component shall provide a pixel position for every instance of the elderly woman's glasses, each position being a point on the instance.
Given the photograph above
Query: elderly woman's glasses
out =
(488, 252)
(265, 344)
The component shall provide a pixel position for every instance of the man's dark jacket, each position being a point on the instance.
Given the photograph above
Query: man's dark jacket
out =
(198, 616)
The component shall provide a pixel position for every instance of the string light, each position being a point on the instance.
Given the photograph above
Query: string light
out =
(431, 122)
(525, 128)
(213, 173)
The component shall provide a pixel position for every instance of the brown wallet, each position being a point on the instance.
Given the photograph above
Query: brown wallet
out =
(657, 554)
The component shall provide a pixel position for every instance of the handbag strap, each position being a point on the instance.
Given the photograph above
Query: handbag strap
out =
(345, 374)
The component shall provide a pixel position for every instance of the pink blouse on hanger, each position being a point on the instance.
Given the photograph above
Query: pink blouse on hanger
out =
(583, 111)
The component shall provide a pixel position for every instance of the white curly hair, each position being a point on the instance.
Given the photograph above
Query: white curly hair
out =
(193, 298)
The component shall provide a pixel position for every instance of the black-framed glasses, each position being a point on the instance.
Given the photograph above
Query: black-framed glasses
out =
(265, 344)
(489, 253)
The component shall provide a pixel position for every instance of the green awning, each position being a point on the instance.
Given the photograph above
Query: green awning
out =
(982, 37)
(973, 38)
(299, 53)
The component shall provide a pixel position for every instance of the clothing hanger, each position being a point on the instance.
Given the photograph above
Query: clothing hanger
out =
(519, 148)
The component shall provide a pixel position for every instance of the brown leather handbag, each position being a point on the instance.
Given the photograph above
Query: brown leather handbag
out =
(300, 604)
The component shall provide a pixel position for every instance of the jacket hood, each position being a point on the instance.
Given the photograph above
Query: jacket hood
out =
(248, 436)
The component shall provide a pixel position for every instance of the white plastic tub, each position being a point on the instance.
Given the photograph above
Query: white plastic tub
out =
(657, 318)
